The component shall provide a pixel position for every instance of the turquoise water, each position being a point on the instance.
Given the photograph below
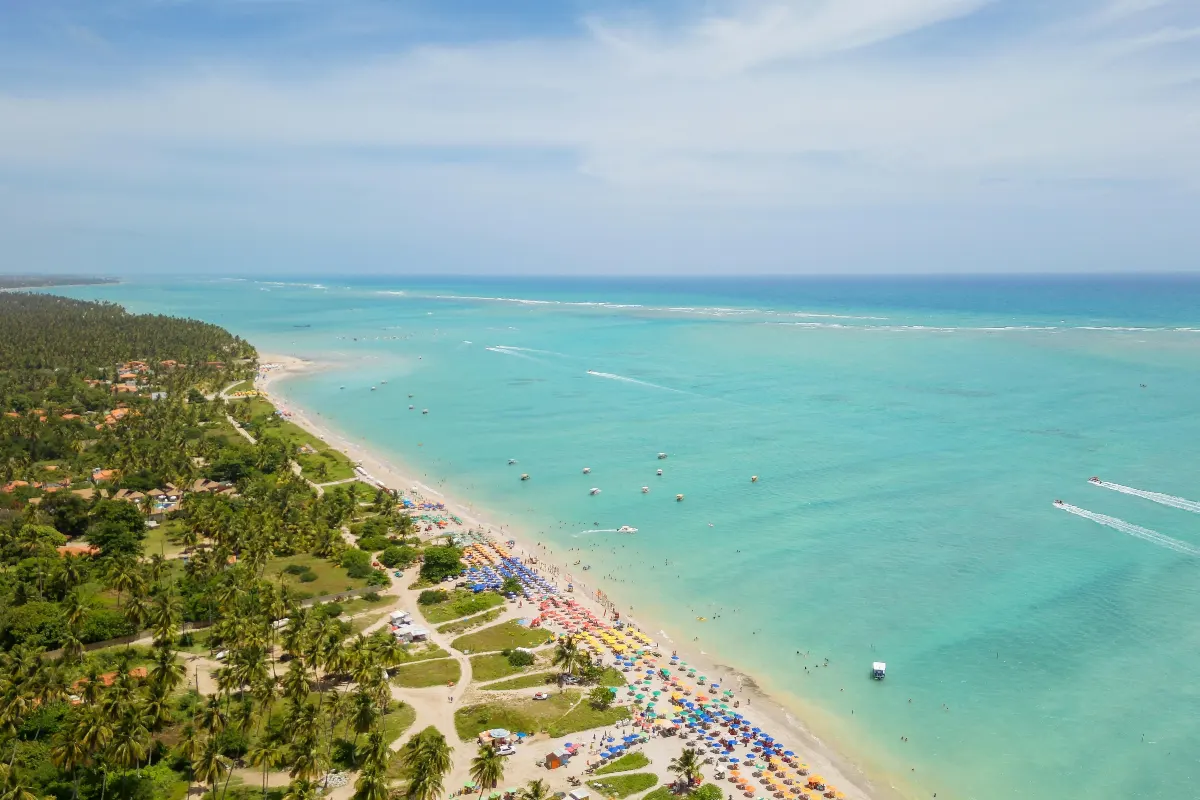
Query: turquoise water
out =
(910, 437)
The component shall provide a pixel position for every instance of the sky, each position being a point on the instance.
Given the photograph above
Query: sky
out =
(599, 137)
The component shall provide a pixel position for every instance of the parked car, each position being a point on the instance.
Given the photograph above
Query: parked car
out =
(507, 750)
(542, 696)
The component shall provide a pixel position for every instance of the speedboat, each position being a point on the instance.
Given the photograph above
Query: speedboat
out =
(754, 479)
(626, 529)
(645, 490)
(383, 381)
(372, 388)
(512, 461)
(1094, 479)
(659, 472)
(410, 408)
(1058, 503)
(678, 498)
(661, 456)
(424, 410)
(594, 491)
(586, 470)
(525, 476)
(878, 670)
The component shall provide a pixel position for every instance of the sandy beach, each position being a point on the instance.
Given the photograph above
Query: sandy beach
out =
(769, 712)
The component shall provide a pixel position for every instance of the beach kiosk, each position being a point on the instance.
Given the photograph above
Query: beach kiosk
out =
(878, 670)
(558, 758)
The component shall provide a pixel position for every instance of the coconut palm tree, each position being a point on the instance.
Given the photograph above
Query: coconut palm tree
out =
(567, 656)
(267, 753)
(69, 754)
(372, 784)
(210, 765)
(167, 672)
(211, 718)
(687, 767)
(301, 789)
(487, 768)
(425, 759)
(536, 790)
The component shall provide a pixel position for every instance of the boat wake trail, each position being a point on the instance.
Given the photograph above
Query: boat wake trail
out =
(596, 530)
(624, 379)
(1133, 530)
(1154, 497)
(514, 349)
(507, 352)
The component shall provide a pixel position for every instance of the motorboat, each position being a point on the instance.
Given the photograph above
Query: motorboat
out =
(1058, 503)
(424, 410)
(410, 395)
(626, 529)
(661, 456)
(411, 408)
(678, 498)
(383, 382)
(878, 670)
(372, 388)
(645, 490)
(659, 472)
(586, 470)
(525, 476)
(754, 479)
(1094, 479)
(512, 461)
(594, 491)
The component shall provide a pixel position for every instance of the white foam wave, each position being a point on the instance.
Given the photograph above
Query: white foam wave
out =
(719, 311)
(983, 329)
(1133, 530)
(504, 352)
(1154, 497)
(624, 379)
(529, 350)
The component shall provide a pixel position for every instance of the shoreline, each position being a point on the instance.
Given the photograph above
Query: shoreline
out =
(844, 772)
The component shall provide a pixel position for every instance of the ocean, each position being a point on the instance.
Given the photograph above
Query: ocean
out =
(909, 436)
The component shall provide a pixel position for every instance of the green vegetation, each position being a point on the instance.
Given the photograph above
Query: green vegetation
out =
(35, 281)
(625, 763)
(328, 578)
(441, 562)
(624, 785)
(427, 673)
(471, 622)
(499, 665)
(538, 679)
(504, 636)
(560, 715)
(461, 603)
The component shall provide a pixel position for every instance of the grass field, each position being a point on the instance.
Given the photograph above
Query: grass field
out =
(164, 539)
(470, 623)
(624, 785)
(612, 677)
(424, 652)
(331, 578)
(460, 604)
(561, 714)
(264, 423)
(494, 666)
(427, 673)
(625, 763)
(523, 682)
(504, 636)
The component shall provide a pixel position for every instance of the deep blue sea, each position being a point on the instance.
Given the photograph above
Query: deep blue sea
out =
(910, 436)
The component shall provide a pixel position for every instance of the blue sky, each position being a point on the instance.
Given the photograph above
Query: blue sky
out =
(577, 137)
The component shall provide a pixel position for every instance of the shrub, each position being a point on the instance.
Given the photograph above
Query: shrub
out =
(102, 624)
(398, 556)
(441, 562)
(378, 578)
(297, 569)
(371, 597)
(431, 597)
(356, 563)
(373, 544)
(308, 577)
(328, 609)
(232, 742)
(519, 658)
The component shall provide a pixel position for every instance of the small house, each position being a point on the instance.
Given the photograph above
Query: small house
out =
(558, 758)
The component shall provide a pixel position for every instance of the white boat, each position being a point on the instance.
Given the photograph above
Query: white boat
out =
(678, 498)
(372, 388)
(586, 470)
(525, 476)
(424, 410)
(512, 461)
(645, 490)
(594, 491)
(659, 472)
(383, 381)
(878, 670)
(661, 456)
(410, 408)
(626, 529)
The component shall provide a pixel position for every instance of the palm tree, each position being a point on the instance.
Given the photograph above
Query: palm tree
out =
(210, 765)
(266, 753)
(211, 718)
(536, 790)
(372, 784)
(68, 754)
(122, 576)
(687, 767)
(165, 616)
(301, 789)
(363, 713)
(425, 759)
(487, 768)
(567, 655)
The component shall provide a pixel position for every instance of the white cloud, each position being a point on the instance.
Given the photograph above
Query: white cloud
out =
(772, 107)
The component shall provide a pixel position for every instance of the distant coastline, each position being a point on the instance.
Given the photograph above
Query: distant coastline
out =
(10, 282)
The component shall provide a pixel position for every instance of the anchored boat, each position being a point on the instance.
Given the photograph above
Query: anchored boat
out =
(626, 529)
